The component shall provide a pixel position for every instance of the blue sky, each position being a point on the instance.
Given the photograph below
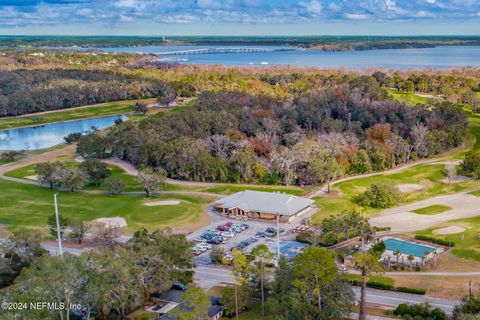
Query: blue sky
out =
(242, 17)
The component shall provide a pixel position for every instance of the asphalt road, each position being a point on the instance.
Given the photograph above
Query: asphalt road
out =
(209, 276)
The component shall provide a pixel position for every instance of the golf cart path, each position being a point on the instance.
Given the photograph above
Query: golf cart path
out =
(400, 219)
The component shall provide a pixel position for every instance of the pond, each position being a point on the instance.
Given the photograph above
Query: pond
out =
(48, 135)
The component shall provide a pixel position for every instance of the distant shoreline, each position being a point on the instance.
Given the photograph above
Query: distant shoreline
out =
(324, 43)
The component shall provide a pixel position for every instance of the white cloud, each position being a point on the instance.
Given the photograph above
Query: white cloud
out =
(356, 16)
(314, 7)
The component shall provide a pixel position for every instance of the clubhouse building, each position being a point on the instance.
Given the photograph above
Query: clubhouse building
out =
(263, 205)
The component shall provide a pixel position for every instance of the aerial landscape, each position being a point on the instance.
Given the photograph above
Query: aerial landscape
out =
(244, 160)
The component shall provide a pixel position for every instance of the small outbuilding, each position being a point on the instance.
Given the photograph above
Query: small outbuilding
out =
(263, 205)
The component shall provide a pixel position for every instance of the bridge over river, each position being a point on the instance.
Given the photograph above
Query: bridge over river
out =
(223, 50)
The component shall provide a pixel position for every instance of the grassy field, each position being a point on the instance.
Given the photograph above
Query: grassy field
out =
(99, 110)
(29, 206)
(130, 181)
(407, 97)
(428, 175)
(467, 244)
(433, 209)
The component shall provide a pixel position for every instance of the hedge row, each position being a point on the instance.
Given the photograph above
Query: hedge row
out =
(435, 240)
(389, 287)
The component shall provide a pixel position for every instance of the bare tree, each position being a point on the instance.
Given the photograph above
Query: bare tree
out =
(420, 140)
(151, 180)
(107, 235)
(450, 172)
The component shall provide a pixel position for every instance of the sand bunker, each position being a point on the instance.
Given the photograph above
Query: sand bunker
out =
(35, 177)
(410, 187)
(112, 222)
(162, 203)
(456, 179)
(449, 230)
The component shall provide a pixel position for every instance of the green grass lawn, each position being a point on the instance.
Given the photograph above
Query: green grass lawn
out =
(428, 175)
(111, 108)
(467, 244)
(29, 206)
(373, 278)
(433, 209)
(407, 97)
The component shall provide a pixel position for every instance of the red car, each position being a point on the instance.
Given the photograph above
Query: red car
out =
(229, 224)
(222, 228)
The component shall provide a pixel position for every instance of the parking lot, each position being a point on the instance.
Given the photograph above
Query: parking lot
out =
(288, 245)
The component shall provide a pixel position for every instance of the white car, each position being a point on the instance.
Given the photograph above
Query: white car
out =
(228, 257)
(205, 245)
(201, 248)
(228, 234)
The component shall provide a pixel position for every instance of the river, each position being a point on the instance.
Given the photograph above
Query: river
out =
(438, 58)
(48, 135)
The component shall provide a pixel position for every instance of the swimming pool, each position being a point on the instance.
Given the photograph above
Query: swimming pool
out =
(408, 248)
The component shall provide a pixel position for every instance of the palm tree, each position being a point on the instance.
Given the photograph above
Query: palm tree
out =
(389, 260)
(261, 256)
(410, 258)
(368, 264)
(397, 253)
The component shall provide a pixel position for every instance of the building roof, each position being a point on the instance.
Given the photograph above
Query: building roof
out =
(174, 297)
(267, 202)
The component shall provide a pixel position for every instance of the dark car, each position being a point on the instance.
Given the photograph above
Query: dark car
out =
(223, 228)
(246, 226)
(179, 286)
(214, 241)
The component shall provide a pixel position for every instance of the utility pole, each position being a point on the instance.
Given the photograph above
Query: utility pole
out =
(59, 233)
(470, 290)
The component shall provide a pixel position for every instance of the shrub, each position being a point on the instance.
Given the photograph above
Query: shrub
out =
(435, 240)
(72, 137)
(419, 311)
(217, 254)
(411, 290)
(381, 194)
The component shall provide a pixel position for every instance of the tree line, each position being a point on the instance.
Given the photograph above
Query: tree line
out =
(28, 91)
(314, 138)
(109, 283)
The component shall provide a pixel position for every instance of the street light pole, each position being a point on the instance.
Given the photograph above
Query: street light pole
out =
(278, 239)
(59, 234)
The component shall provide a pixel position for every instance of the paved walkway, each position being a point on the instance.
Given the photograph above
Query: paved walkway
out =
(400, 219)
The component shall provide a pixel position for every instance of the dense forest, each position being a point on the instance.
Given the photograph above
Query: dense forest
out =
(29, 91)
(343, 127)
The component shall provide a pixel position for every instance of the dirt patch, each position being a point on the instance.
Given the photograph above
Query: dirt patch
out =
(112, 222)
(162, 203)
(449, 230)
(447, 262)
(439, 286)
(457, 179)
(410, 187)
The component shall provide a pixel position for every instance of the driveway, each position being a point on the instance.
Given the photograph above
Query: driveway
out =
(400, 219)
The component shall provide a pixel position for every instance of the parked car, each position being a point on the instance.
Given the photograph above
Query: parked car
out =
(222, 228)
(229, 224)
(246, 226)
(259, 235)
(228, 234)
(228, 257)
(202, 249)
(205, 245)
